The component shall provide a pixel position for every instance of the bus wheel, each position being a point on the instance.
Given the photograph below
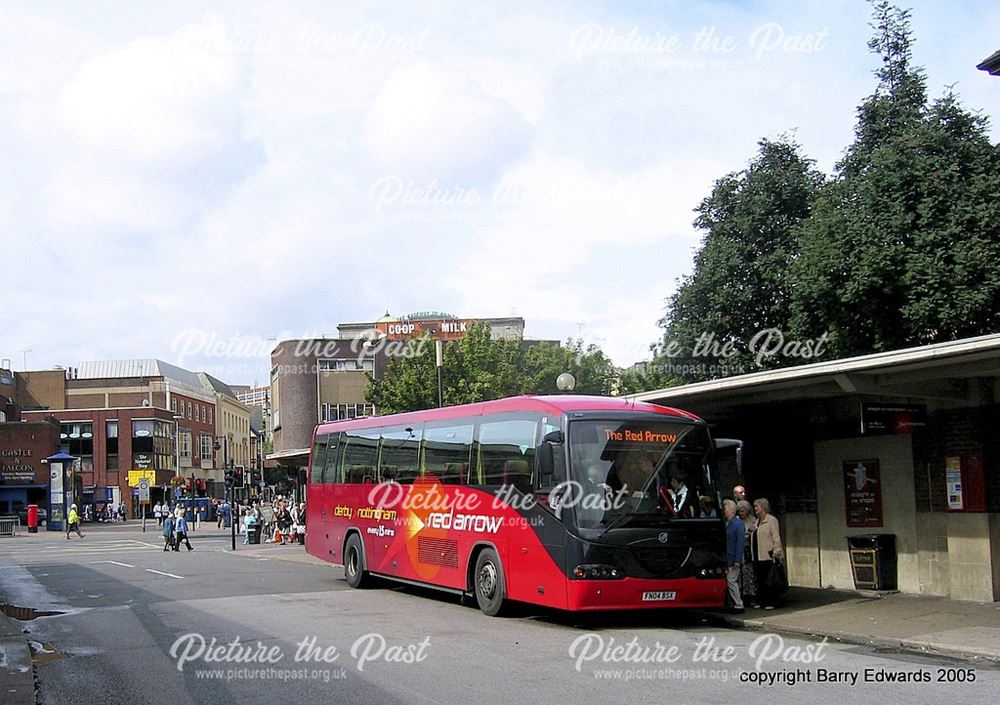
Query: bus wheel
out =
(491, 590)
(357, 576)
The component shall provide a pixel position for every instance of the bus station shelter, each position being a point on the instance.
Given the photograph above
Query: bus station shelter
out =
(902, 444)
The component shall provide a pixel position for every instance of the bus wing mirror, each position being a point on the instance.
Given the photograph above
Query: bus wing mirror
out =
(545, 458)
(546, 465)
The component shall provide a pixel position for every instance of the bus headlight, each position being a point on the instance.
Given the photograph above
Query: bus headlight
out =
(712, 573)
(597, 571)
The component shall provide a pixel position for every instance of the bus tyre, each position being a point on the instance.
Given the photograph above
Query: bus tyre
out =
(354, 561)
(491, 590)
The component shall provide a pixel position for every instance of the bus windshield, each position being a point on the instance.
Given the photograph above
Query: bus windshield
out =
(638, 473)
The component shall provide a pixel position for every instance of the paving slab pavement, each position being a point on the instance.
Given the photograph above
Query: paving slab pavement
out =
(939, 625)
(17, 679)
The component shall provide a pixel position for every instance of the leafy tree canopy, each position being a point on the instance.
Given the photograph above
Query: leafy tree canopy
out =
(478, 368)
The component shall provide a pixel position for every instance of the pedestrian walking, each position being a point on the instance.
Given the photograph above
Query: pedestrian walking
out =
(158, 513)
(168, 532)
(73, 523)
(181, 531)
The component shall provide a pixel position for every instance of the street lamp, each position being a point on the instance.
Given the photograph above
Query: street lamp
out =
(565, 382)
(177, 450)
(439, 362)
(372, 344)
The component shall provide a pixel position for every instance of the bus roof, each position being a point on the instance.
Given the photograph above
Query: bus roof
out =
(552, 404)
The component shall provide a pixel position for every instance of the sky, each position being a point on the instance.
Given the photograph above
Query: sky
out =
(192, 181)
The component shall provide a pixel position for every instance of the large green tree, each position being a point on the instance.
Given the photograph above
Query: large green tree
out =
(740, 283)
(478, 368)
(902, 247)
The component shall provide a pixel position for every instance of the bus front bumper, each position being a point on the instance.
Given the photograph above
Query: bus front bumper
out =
(642, 593)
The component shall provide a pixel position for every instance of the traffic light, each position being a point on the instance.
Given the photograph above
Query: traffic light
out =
(240, 483)
(230, 478)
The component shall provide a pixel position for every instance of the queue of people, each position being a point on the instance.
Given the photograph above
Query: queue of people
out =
(754, 552)
(283, 522)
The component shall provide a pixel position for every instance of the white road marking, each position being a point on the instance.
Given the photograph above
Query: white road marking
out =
(124, 565)
(169, 575)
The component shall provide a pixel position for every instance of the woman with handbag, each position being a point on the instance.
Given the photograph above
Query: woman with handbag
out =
(768, 554)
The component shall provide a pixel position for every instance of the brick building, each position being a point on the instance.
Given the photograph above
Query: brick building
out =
(130, 419)
(24, 478)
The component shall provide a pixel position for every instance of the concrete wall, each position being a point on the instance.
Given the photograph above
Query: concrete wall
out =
(801, 541)
(342, 387)
(895, 456)
(44, 389)
(932, 553)
(995, 551)
(970, 556)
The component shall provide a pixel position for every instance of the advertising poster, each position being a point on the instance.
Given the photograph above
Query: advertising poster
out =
(953, 482)
(863, 493)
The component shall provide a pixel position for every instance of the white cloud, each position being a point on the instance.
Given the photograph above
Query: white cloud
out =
(161, 100)
(215, 170)
(142, 138)
(428, 120)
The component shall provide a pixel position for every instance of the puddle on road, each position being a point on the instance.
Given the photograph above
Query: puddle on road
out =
(42, 654)
(26, 614)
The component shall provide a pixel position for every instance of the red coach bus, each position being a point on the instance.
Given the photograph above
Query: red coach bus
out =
(571, 502)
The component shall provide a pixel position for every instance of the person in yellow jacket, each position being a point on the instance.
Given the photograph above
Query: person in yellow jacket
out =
(73, 523)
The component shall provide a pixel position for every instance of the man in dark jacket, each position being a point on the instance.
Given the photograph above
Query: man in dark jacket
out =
(735, 536)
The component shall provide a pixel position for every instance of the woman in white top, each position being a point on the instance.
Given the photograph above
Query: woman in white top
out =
(158, 513)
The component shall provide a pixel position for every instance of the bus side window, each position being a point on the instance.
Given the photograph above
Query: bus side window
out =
(359, 456)
(446, 451)
(507, 452)
(399, 457)
(331, 472)
(318, 459)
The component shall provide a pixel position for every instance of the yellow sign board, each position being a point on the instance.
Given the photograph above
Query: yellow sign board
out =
(135, 475)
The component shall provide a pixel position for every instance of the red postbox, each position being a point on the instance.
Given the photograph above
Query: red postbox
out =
(32, 518)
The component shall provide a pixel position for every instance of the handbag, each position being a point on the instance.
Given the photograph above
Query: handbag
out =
(777, 579)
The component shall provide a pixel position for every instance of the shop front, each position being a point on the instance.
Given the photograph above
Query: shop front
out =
(24, 446)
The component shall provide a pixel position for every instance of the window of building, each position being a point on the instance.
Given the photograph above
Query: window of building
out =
(347, 364)
(78, 438)
(206, 446)
(184, 441)
(189, 411)
(339, 412)
(173, 405)
(111, 433)
(210, 416)
(144, 444)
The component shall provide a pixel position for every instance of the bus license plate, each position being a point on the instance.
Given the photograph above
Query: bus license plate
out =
(658, 596)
